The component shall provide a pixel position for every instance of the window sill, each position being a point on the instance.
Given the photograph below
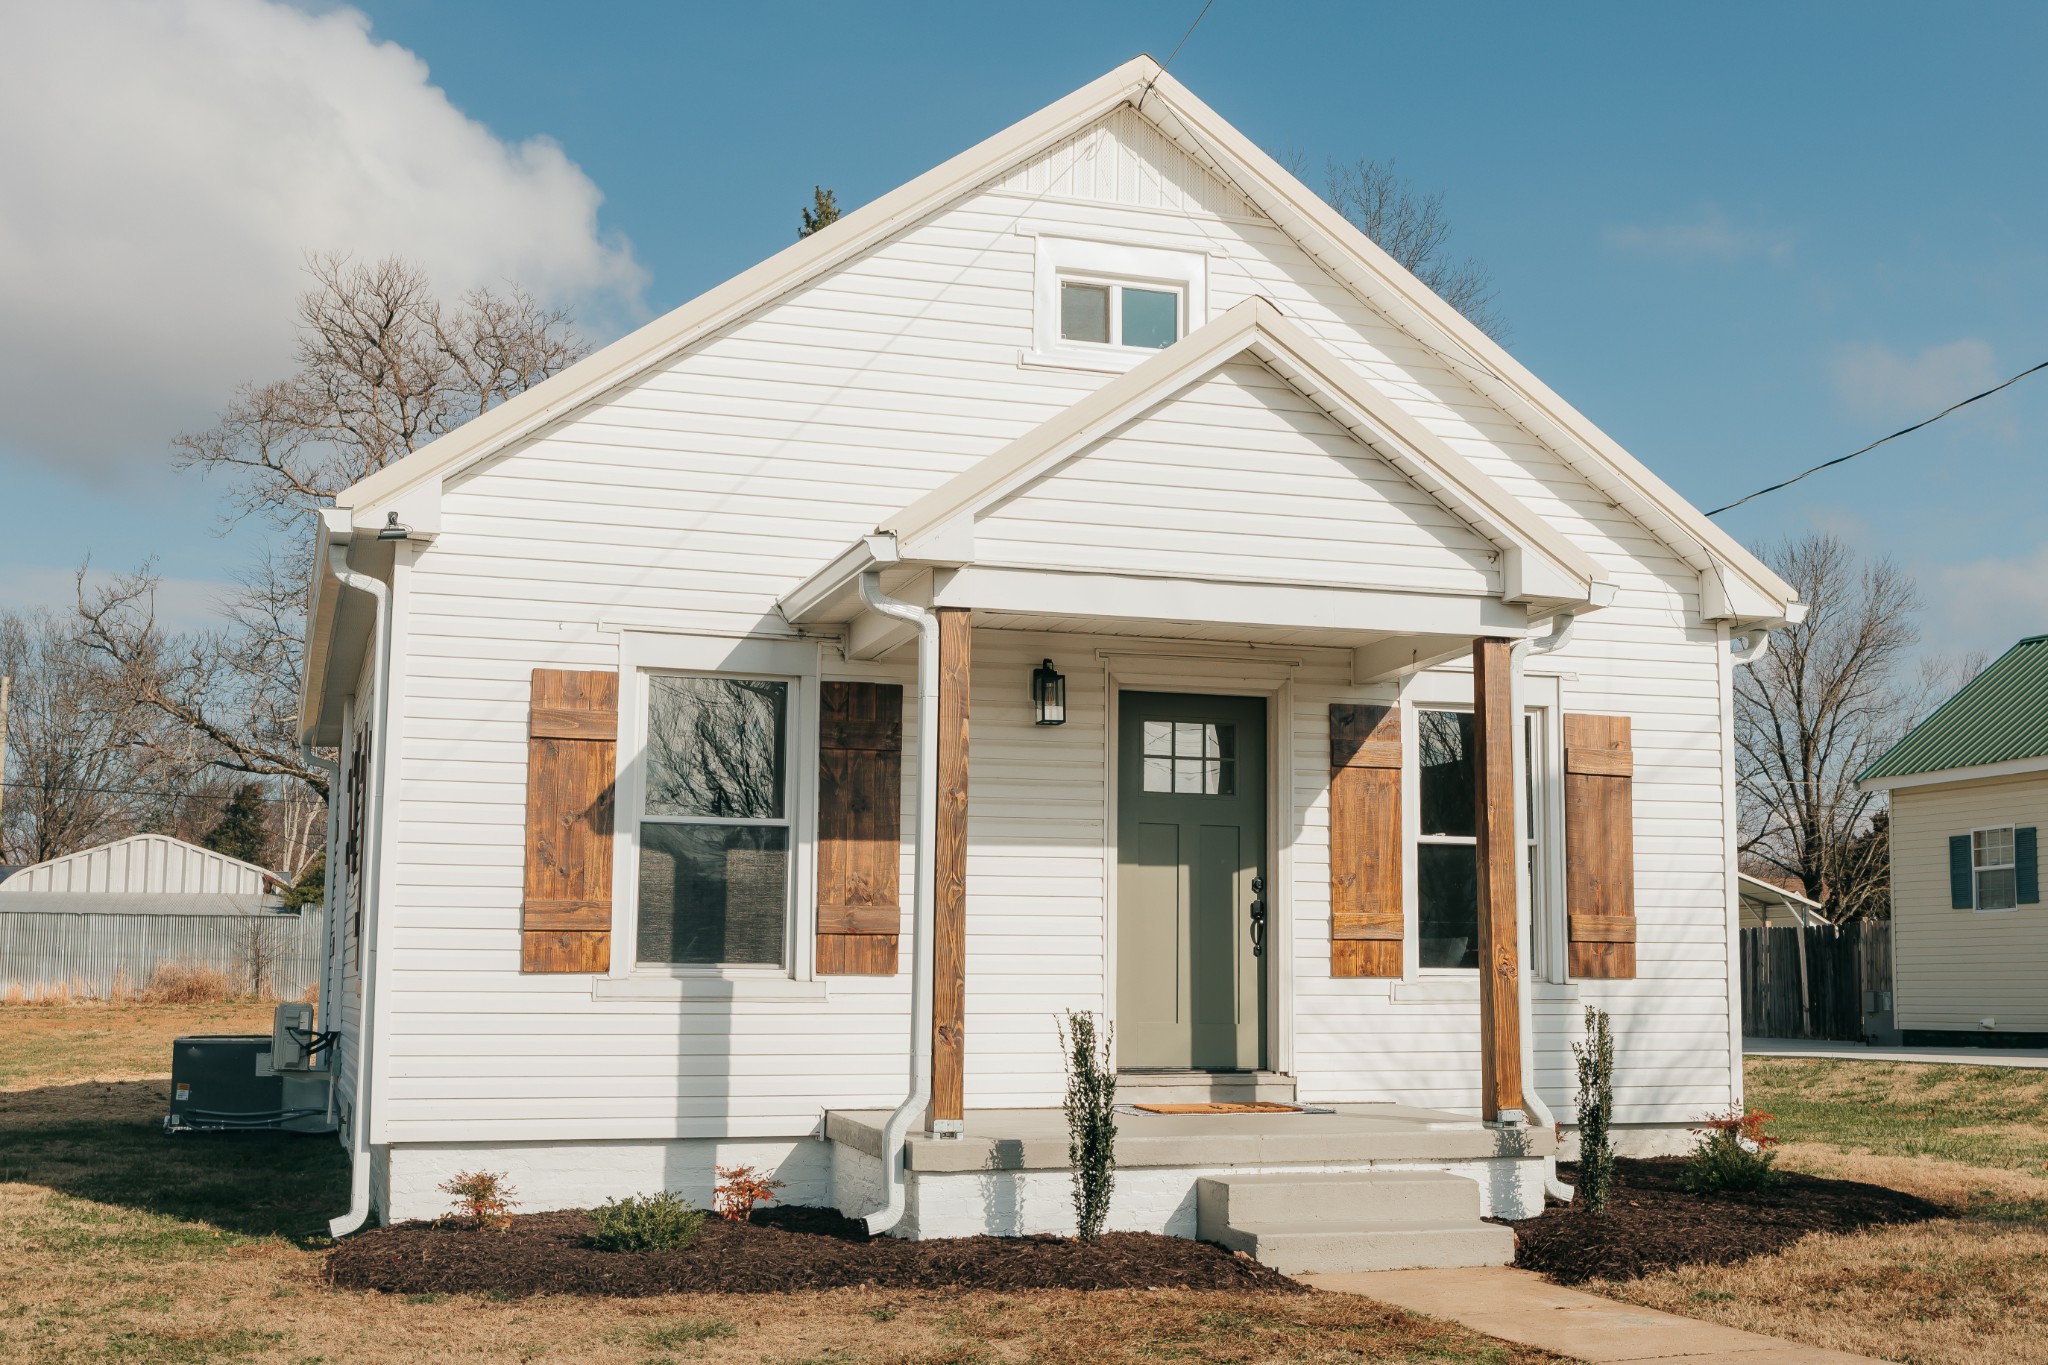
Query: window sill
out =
(706, 986)
(1112, 360)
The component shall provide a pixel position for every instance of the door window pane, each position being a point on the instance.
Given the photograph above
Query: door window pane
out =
(715, 747)
(1151, 317)
(1444, 755)
(713, 894)
(1084, 312)
(1447, 901)
(1190, 758)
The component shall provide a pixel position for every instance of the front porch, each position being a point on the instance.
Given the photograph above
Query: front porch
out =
(1359, 1174)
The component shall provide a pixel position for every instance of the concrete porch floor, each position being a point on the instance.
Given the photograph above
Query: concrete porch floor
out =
(1036, 1139)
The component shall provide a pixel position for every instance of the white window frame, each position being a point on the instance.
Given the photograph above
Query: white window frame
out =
(1083, 261)
(643, 654)
(1977, 869)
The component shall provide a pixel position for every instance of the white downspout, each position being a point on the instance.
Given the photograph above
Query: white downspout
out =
(1755, 645)
(330, 1006)
(1532, 1100)
(370, 892)
(924, 895)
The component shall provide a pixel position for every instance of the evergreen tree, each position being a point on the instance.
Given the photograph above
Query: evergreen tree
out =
(310, 888)
(239, 832)
(824, 210)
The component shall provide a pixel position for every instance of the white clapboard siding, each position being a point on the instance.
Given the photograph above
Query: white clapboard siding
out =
(692, 497)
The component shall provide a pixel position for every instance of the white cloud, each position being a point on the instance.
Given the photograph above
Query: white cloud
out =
(181, 603)
(1709, 235)
(167, 167)
(1986, 604)
(1876, 381)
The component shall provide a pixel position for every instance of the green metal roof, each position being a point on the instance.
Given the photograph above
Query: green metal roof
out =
(2000, 715)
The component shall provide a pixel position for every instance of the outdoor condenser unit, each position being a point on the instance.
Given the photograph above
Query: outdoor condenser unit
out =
(242, 1082)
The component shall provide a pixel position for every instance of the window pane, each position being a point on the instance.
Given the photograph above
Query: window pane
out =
(1998, 890)
(1151, 317)
(715, 747)
(1447, 896)
(1159, 737)
(1084, 312)
(713, 893)
(1158, 774)
(1444, 748)
(1994, 847)
(1529, 777)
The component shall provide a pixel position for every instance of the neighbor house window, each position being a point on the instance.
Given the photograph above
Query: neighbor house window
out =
(714, 874)
(1105, 313)
(1995, 869)
(1447, 839)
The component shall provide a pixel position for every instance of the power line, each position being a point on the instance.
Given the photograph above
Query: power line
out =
(1903, 431)
(1176, 51)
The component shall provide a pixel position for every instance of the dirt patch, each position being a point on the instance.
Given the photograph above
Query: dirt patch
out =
(1651, 1224)
(782, 1250)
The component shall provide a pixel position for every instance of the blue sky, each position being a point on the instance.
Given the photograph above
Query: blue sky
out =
(1742, 238)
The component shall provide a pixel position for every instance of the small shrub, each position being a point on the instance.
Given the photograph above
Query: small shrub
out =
(1091, 1119)
(188, 983)
(689, 1331)
(1596, 1111)
(739, 1189)
(482, 1198)
(654, 1222)
(1733, 1156)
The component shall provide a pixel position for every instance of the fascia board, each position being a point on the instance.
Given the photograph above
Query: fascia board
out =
(857, 232)
(2012, 767)
(1477, 358)
(323, 597)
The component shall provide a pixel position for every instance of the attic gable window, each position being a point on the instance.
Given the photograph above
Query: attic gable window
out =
(1114, 314)
(1107, 305)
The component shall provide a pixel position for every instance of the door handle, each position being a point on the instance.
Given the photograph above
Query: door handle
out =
(1258, 917)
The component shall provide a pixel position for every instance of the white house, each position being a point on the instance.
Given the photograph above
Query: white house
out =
(1347, 714)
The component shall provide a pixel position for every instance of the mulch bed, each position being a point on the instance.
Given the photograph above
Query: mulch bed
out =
(1652, 1224)
(782, 1249)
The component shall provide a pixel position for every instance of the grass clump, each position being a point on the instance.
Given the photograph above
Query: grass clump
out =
(654, 1222)
(690, 1331)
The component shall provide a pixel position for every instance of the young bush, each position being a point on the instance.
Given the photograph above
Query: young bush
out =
(483, 1199)
(1596, 1111)
(653, 1222)
(1091, 1119)
(1733, 1155)
(188, 983)
(739, 1189)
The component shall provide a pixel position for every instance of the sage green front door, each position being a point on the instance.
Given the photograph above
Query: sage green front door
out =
(1191, 845)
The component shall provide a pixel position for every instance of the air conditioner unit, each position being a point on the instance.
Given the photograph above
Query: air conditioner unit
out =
(242, 1082)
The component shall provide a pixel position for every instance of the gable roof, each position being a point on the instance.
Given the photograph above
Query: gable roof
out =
(1538, 563)
(1735, 586)
(154, 863)
(1999, 720)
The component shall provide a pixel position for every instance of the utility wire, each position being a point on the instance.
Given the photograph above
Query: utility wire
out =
(1176, 52)
(1903, 431)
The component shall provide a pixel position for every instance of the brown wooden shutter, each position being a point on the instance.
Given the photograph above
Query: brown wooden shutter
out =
(860, 827)
(1599, 845)
(571, 768)
(1366, 919)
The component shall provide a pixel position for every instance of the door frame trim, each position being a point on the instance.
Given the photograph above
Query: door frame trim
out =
(1270, 679)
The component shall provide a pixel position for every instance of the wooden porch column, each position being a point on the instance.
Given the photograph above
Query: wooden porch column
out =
(949, 947)
(1500, 846)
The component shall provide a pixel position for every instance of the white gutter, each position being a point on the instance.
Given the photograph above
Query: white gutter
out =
(1532, 1101)
(370, 891)
(330, 1003)
(924, 893)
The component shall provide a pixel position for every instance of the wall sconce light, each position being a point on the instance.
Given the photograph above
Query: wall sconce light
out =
(1049, 694)
(391, 530)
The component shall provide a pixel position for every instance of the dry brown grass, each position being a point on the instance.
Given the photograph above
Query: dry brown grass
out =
(169, 983)
(189, 983)
(118, 1245)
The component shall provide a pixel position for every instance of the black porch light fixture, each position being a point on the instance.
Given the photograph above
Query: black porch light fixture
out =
(1049, 694)
(391, 530)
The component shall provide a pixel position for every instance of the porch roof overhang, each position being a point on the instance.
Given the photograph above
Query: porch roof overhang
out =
(928, 552)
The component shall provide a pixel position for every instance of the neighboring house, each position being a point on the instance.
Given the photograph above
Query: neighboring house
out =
(1766, 903)
(1969, 794)
(1256, 567)
(105, 916)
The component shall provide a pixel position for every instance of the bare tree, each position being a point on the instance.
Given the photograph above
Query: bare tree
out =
(1414, 229)
(1831, 695)
(72, 778)
(383, 367)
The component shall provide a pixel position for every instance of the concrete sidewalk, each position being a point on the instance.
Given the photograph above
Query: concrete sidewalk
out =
(1859, 1052)
(1518, 1306)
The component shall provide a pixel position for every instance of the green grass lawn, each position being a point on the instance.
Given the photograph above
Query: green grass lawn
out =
(1988, 1116)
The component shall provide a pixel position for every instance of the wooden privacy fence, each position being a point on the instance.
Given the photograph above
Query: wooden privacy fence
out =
(87, 952)
(1821, 982)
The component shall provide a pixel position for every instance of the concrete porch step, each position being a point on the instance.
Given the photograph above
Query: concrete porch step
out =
(1370, 1220)
(1203, 1087)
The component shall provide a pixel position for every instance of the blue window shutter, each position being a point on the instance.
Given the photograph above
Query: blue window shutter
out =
(2026, 866)
(1961, 894)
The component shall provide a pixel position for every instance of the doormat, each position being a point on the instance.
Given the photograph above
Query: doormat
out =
(1229, 1107)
